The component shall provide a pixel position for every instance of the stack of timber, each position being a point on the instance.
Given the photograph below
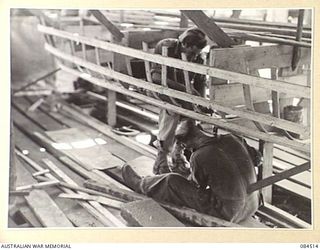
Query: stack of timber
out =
(55, 178)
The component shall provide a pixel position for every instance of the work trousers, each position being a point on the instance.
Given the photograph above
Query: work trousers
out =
(175, 189)
(168, 122)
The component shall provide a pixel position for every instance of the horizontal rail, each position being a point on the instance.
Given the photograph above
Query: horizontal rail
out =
(218, 122)
(280, 86)
(254, 116)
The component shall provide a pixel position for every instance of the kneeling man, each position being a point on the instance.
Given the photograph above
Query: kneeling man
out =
(222, 167)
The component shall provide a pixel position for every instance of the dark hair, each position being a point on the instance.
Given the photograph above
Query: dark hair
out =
(185, 130)
(193, 37)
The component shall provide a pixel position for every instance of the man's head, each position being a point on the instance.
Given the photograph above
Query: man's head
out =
(186, 133)
(193, 40)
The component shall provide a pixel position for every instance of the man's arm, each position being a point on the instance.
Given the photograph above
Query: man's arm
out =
(156, 78)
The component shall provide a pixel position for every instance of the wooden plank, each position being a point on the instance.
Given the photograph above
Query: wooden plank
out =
(303, 178)
(237, 129)
(103, 128)
(267, 168)
(295, 189)
(40, 118)
(79, 216)
(91, 156)
(257, 22)
(296, 53)
(112, 108)
(271, 56)
(209, 27)
(275, 95)
(103, 200)
(282, 31)
(148, 213)
(46, 210)
(269, 180)
(38, 185)
(275, 221)
(109, 25)
(85, 205)
(29, 216)
(282, 215)
(232, 95)
(260, 38)
(118, 149)
(108, 216)
(172, 62)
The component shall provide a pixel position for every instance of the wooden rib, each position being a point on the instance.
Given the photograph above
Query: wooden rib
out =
(269, 120)
(221, 123)
(280, 86)
(148, 69)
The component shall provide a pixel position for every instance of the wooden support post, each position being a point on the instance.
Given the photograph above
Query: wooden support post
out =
(164, 75)
(275, 95)
(112, 108)
(148, 69)
(267, 167)
(296, 53)
(209, 27)
(214, 81)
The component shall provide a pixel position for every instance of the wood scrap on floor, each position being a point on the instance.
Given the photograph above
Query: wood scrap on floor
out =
(84, 149)
(46, 210)
(148, 213)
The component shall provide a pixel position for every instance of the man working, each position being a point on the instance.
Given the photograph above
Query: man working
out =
(222, 168)
(190, 42)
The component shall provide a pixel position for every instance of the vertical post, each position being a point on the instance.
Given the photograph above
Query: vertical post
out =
(112, 95)
(112, 111)
(148, 70)
(275, 95)
(214, 81)
(267, 167)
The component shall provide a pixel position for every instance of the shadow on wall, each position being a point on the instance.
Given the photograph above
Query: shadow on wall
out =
(29, 60)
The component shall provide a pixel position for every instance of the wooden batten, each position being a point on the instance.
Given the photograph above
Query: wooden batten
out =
(221, 123)
(180, 95)
(193, 67)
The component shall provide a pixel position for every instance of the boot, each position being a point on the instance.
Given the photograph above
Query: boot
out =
(131, 178)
